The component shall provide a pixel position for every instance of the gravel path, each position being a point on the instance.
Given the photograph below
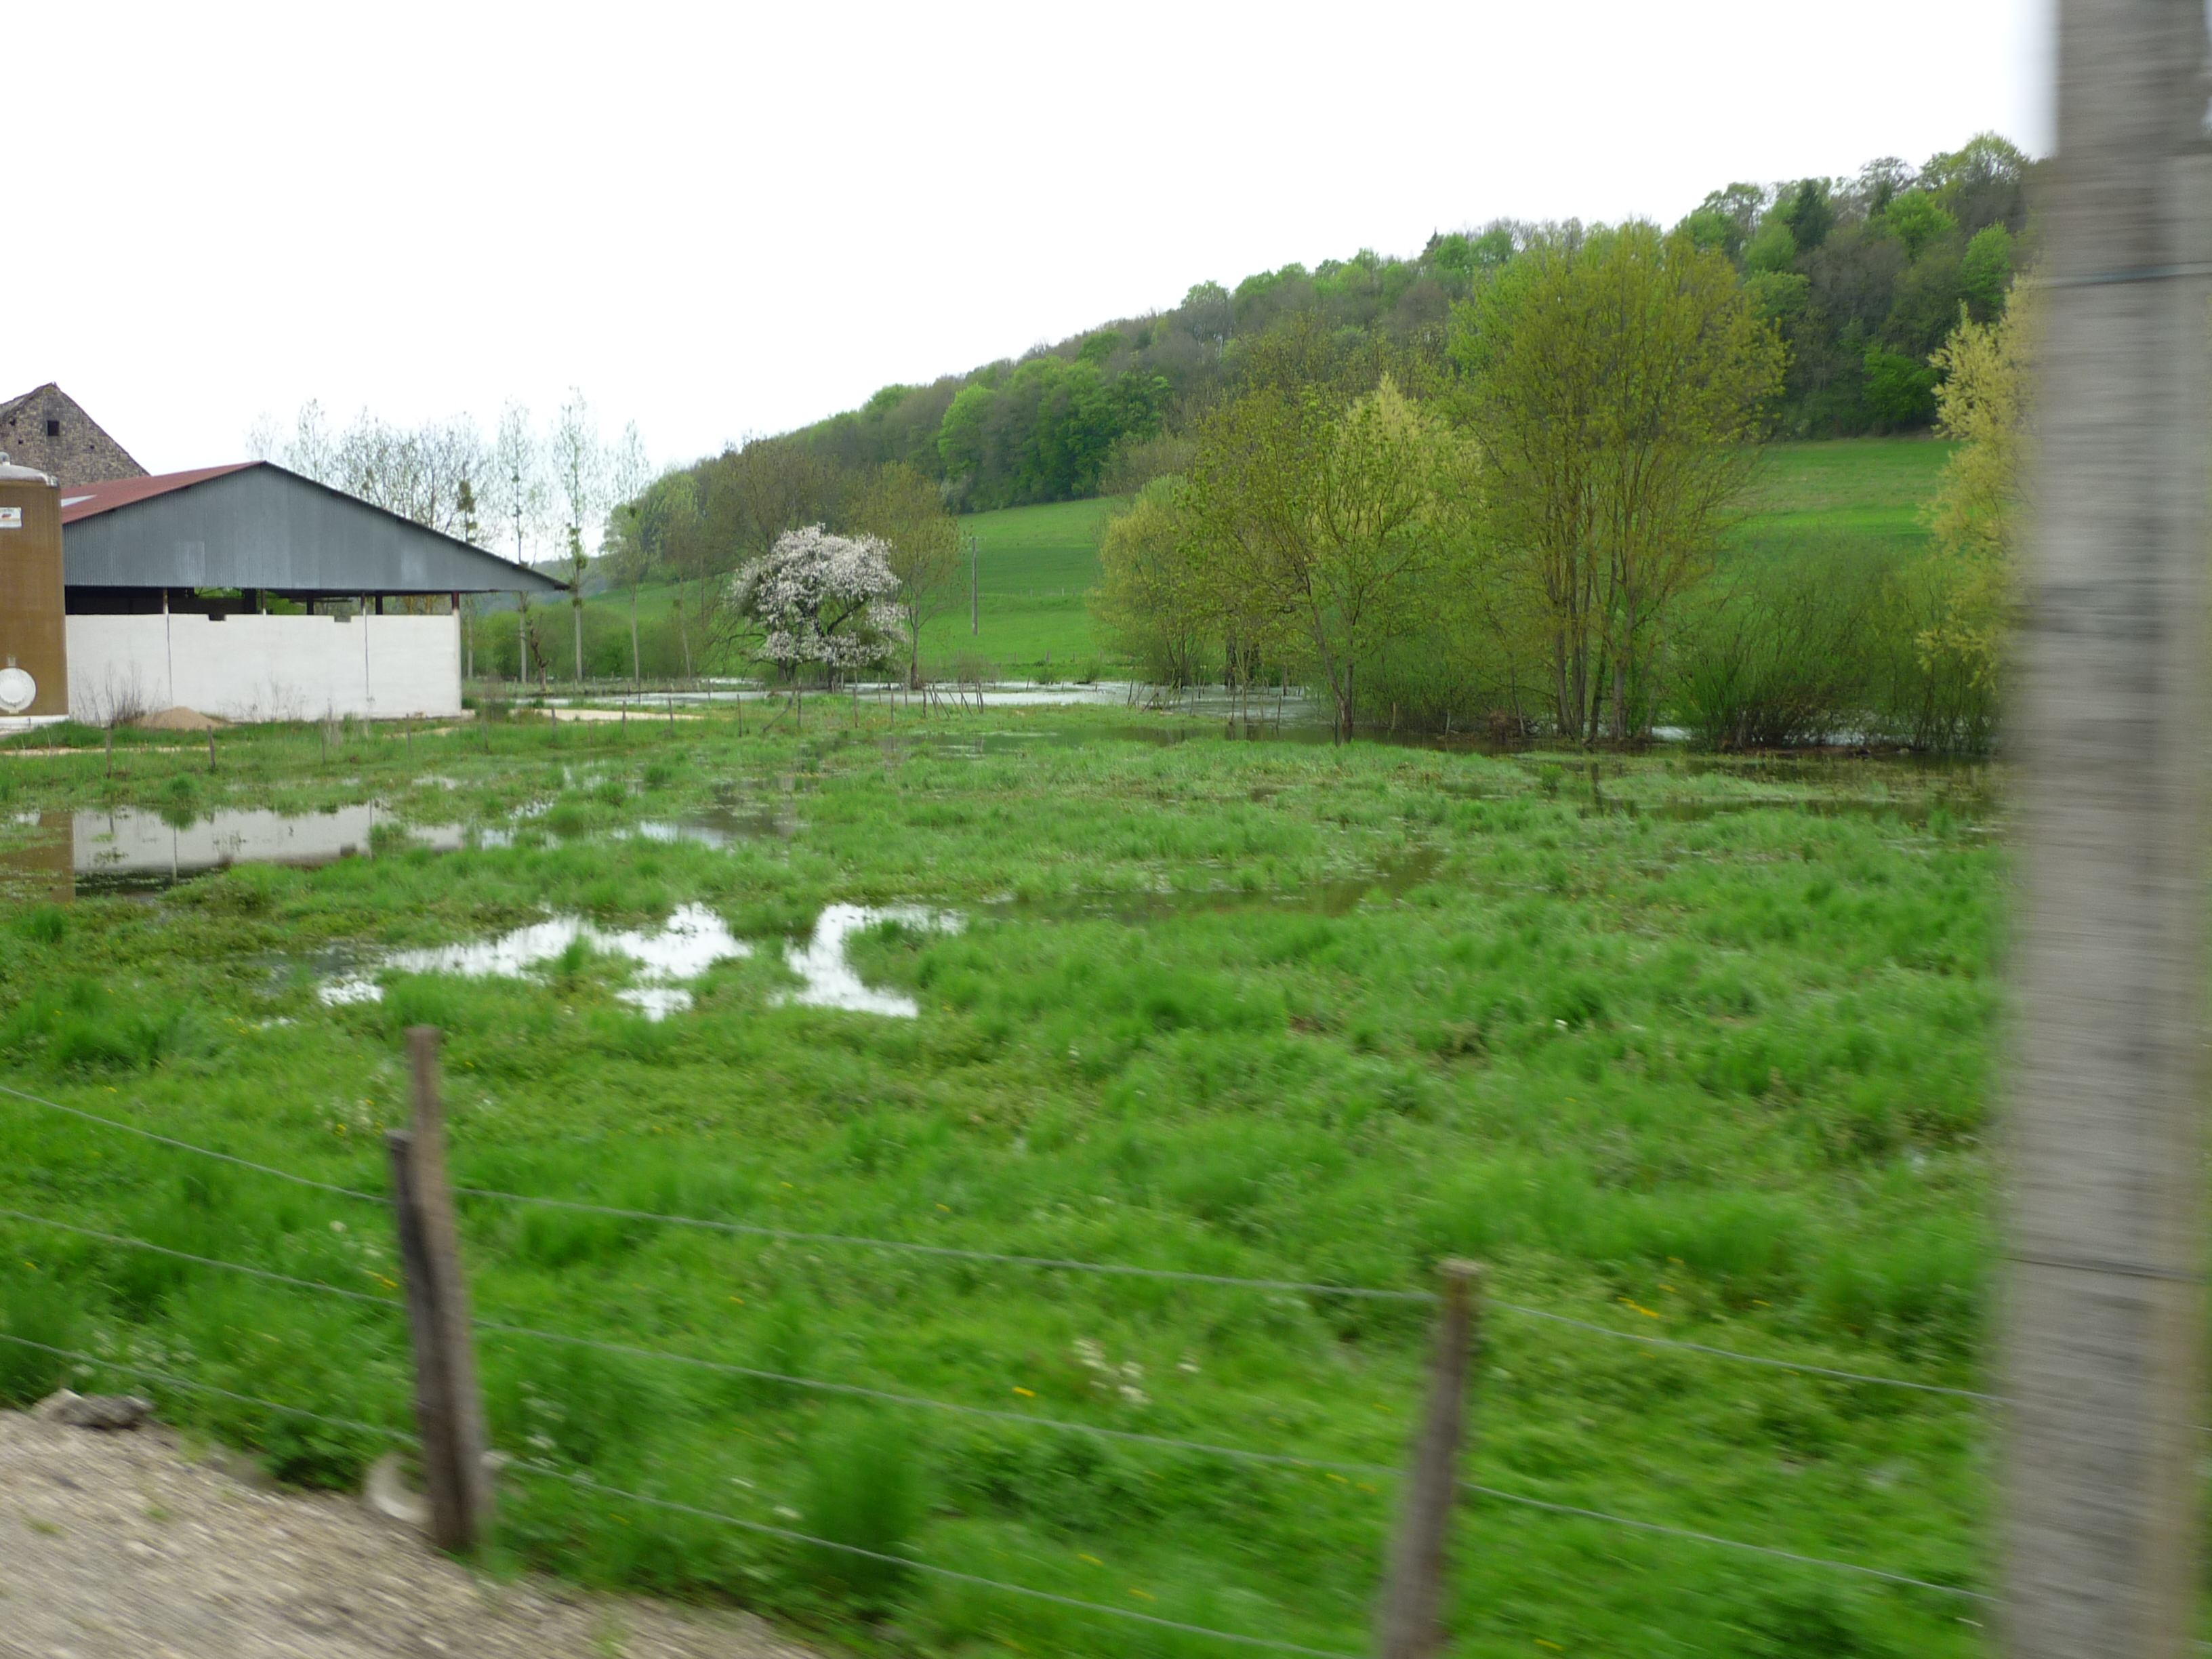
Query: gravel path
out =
(116, 1547)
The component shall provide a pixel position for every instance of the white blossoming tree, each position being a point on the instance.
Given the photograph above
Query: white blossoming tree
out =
(818, 598)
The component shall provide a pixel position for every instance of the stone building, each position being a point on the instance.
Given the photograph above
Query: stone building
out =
(46, 430)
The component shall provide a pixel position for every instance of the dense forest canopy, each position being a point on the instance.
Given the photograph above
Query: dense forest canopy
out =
(1864, 276)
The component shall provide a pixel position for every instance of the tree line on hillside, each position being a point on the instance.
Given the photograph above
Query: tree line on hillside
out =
(1535, 530)
(1863, 278)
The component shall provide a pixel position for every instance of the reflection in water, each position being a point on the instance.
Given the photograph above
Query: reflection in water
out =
(831, 982)
(44, 862)
(720, 826)
(128, 849)
(694, 939)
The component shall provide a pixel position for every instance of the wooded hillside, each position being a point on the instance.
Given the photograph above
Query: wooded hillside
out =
(1863, 275)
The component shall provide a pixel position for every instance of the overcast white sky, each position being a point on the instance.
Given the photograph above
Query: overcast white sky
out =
(721, 219)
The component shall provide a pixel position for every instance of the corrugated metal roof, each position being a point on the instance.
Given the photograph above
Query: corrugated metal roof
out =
(254, 525)
(83, 500)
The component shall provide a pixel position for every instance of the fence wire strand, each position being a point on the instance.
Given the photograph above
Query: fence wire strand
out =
(1748, 1358)
(861, 1391)
(928, 1567)
(1061, 1263)
(1723, 1543)
(1237, 1453)
(1171, 1443)
(200, 1261)
(187, 1146)
(1069, 1264)
(131, 1368)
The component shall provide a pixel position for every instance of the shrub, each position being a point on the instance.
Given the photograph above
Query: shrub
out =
(1775, 653)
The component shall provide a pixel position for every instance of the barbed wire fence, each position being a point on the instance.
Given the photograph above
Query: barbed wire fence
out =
(453, 1460)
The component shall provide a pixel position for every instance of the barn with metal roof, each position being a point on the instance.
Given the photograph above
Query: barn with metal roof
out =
(264, 532)
(250, 593)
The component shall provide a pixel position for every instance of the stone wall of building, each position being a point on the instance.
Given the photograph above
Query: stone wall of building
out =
(47, 429)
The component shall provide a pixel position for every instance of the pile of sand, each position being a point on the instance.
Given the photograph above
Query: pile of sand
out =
(181, 720)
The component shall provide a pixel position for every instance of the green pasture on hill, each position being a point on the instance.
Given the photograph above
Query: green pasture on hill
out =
(1863, 486)
(1683, 1047)
(1034, 566)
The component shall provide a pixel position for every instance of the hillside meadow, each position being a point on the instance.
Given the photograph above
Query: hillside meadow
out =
(1684, 1047)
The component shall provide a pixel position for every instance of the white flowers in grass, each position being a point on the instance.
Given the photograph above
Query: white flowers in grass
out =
(820, 598)
(1110, 1378)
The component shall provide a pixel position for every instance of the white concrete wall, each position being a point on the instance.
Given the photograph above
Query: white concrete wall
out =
(265, 668)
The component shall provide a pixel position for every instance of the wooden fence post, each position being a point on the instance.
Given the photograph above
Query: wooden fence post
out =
(448, 1409)
(1409, 1625)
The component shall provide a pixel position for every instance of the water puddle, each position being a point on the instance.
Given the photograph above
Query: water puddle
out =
(692, 940)
(130, 849)
(732, 819)
(831, 981)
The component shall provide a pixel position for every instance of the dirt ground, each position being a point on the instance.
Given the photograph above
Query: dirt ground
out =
(117, 1545)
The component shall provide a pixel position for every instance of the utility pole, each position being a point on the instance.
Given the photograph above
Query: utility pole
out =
(2105, 1292)
(974, 604)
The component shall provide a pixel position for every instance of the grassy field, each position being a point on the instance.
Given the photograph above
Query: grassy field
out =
(1686, 1048)
(1873, 484)
(1034, 566)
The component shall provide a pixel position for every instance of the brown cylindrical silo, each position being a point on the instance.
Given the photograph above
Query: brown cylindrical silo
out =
(31, 628)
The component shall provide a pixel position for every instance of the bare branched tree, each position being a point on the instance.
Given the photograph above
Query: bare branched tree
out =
(629, 472)
(578, 465)
(517, 502)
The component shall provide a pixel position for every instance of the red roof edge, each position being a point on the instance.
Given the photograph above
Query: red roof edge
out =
(84, 500)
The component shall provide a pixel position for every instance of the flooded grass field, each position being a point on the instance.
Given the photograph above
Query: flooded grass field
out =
(1682, 1045)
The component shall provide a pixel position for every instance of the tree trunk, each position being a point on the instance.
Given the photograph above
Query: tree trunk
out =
(1559, 673)
(1578, 683)
(576, 612)
(637, 661)
(2105, 1292)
